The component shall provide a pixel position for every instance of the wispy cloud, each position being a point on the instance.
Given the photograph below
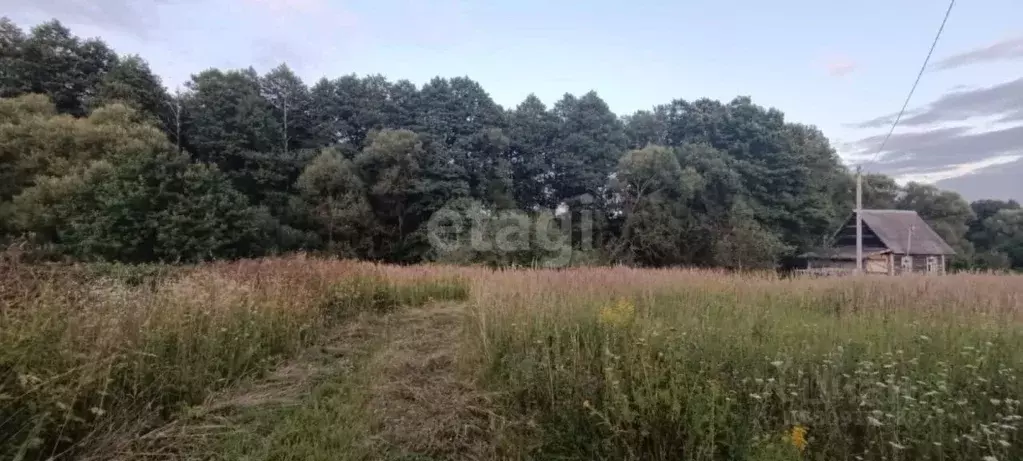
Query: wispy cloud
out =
(998, 181)
(961, 169)
(840, 66)
(1003, 101)
(288, 5)
(1003, 50)
(133, 17)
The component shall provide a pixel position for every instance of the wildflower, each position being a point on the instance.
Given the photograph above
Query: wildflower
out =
(619, 314)
(798, 437)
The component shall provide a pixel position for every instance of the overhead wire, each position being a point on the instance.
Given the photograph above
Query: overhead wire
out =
(916, 82)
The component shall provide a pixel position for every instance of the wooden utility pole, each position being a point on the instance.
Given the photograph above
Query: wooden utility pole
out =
(859, 222)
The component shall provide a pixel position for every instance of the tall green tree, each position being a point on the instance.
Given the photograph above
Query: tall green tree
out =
(978, 232)
(945, 211)
(12, 61)
(532, 133)
(58, 64)
(654, 193)
(229, 123)
(790, 172)
(336, 200)
(467, 129)
(590, 141)
(392, 169)
(291, 103)
(131, 82)
(1004, 231)
(646, 127)
(345, 110)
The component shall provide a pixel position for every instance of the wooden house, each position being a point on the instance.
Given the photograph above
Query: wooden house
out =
(894, 242)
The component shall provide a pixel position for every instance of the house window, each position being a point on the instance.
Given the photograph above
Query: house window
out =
(933, 265)
(907, 263)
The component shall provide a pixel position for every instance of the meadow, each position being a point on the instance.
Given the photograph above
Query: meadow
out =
(446, 362)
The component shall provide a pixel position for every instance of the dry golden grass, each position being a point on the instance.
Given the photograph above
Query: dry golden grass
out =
(90, 350)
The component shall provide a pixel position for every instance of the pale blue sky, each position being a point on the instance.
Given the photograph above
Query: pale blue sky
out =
(832, 64)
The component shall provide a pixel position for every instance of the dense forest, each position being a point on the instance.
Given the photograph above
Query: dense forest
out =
(99, 161)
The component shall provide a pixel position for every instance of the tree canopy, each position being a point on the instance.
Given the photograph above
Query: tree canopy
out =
(98, 160)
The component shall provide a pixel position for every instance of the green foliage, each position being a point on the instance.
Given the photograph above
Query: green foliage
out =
(196, 214)
(35, 143)
(153, 206)
(52, 61)
(945, 211)
(132, 83)
(335, 199)
(402, 153)
(393, 168)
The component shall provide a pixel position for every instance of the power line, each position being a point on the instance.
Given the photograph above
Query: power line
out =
(916, 82)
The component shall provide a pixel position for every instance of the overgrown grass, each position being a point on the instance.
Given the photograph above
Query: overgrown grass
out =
(90, 353)
(598, 363)
(631, 364)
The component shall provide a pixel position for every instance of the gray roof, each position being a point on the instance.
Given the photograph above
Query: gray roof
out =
(893, 227)
(848, 254)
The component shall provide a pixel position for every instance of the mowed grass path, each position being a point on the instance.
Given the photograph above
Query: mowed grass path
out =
(385, 386)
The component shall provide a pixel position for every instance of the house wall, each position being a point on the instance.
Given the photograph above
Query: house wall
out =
(877, 264)
(919, 264)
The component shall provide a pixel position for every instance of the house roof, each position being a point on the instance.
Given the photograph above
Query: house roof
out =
(848, 254)
(905, 232)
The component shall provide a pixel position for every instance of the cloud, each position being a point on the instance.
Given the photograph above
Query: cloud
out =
(840, 66)
(931, 175)
(943, 147)
(134, 17)
(993, 182)
(1008, 49)
(1004, 101)
(288, 5)
(884, 120)
(964, 105)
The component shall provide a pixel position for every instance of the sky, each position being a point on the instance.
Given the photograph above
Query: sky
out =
(845, 67)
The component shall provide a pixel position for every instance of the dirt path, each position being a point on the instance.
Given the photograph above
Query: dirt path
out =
(382, 387)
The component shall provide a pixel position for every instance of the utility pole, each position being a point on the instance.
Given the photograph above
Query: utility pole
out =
(859, 222)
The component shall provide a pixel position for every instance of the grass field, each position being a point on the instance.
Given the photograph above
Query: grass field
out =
(300, 358)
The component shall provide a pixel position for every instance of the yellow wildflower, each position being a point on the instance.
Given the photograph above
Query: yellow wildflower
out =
(798, 437)
(618, 314)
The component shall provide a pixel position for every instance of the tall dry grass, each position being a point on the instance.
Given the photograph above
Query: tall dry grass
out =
(93, 352)
(618, 363)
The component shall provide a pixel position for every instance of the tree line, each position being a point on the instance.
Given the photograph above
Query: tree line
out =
(98, 160)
